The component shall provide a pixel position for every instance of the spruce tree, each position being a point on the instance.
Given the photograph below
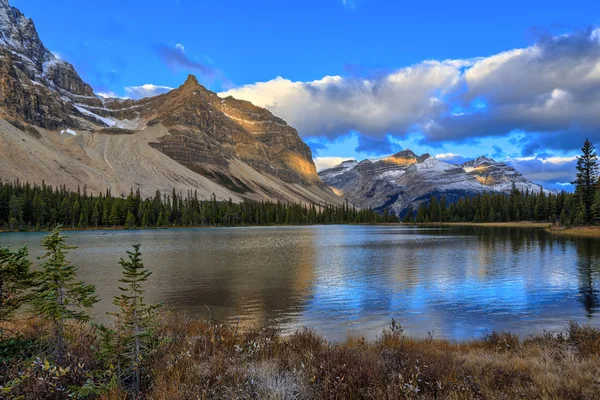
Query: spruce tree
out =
(587, 178)
(15, 279)
(136, 325)
(130, 222)
(59, 297)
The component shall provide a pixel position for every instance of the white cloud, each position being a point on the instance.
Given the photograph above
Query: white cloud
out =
(328, 162)
(180, 47)
(550, 160)
(107, 95)
(444, 156)
(335, 105)
(147, 90)
(549, 91)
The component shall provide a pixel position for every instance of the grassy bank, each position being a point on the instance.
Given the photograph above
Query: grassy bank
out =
(208, 360)
(580, 231)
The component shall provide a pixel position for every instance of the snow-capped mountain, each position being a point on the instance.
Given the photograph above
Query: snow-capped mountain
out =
(498, 175)
(405, 179)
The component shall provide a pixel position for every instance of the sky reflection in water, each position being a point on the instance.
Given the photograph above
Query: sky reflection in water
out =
(351, 280)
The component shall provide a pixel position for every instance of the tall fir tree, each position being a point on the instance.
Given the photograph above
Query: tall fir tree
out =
(59, 297)
(587, 178)
(134, 337)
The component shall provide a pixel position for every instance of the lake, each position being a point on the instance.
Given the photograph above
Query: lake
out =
(456, 282)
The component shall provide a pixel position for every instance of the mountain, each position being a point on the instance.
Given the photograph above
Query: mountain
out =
(405, 179)
(53, 127)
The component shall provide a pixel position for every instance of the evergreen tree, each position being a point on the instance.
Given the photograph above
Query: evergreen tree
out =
(59, 297)
(15, 279)
(587, 178)
(130, 221)
(114, 218)
(136, 325)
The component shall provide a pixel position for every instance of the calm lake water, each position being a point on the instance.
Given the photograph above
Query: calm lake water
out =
(352, 280)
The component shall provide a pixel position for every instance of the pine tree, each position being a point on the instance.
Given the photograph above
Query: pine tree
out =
(136, 322)
(15, 279)
(95, 216)
(130, 221)
(58, 297)
(587, 178)
(114, 218)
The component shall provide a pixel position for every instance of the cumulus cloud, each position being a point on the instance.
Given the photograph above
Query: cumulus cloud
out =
(549, 91)
(147, 90)
(547, 171)
(323, 163)
(177, 59)
(334, 105)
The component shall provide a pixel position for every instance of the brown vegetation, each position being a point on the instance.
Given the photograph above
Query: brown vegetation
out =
(211, 360)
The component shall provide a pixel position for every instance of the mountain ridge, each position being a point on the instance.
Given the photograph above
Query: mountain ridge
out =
(55, 120)
(405, 179)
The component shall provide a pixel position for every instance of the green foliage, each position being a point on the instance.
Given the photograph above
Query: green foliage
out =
(58, 296)
(134, 337)
(15, 279)
(587, 178)
(45, 207)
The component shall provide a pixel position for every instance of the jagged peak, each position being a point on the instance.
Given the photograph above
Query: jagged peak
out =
(478, 161)
(191, 81)
(406, 153)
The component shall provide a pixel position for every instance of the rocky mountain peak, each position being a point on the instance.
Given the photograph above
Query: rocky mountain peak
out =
(406, 153)
(479, 161)
(405, 179)
(191, 81)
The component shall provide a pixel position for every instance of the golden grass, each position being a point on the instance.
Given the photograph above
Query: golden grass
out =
(204, 360)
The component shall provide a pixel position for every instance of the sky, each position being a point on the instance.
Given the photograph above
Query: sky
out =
(516, 81)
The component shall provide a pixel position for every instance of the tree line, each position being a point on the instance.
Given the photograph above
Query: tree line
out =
(26, 206)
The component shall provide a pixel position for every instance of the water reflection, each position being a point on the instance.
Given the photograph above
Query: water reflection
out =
(351, 280)
(588, 263)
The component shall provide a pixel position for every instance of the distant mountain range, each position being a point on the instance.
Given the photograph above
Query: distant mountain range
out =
(405, 179)
(54, 128)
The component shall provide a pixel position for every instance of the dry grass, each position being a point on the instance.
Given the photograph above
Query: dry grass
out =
(205, 360)
(580, 231)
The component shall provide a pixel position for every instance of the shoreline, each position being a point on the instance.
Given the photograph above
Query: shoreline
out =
(576, 232)
(573, 232)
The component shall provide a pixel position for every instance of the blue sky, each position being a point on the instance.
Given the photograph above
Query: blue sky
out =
(518, 81)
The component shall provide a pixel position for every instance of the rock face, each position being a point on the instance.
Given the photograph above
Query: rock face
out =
(243, 150)
(406, 179)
